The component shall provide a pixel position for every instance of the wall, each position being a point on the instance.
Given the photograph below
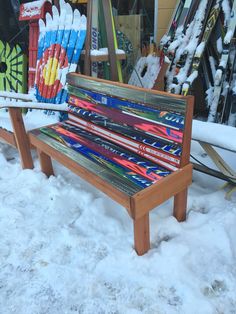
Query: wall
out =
(165, 11)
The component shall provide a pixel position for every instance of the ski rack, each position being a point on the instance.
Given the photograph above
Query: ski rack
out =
(112, 57)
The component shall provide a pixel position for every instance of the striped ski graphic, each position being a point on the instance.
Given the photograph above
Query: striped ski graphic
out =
(91, 142)
(64, 58)
(166, 118)
(97, 157)
(164, 150)
(148, 165)
(141, 124)
(73, 59)
(163, 159)
(59, 56)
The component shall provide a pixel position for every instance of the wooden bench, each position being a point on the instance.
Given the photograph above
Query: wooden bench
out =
(131, 143)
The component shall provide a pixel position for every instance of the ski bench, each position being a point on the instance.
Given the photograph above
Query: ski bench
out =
(133, 144)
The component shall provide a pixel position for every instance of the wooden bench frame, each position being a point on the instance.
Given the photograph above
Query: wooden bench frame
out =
(138, 205)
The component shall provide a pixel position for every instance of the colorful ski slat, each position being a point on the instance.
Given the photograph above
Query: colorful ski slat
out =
(89, 140)
(104, 130)
(43, 56)
(60, 55)
(162, 117)
(138, 123)
(62, 96)
(120, 183)
(148, 165)
(170, 149)
(97, 157)
(54, 47)
(123, 91)
(66, 54)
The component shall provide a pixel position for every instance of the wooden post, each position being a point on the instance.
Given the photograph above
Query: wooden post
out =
(45, 163)
(180, 205)
(87, 60)
(142, 234)
(21, 138)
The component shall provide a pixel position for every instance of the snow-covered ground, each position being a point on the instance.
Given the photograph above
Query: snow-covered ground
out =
(67, 248)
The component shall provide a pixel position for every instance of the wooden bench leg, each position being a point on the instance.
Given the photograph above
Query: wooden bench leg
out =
(45, 163)
(21, 138)
(142, 235)
(180, 205)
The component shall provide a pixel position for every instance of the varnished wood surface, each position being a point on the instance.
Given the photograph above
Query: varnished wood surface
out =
(161, 191)
(187, 134)
(8, 137)
(142, 235)
(21, 138)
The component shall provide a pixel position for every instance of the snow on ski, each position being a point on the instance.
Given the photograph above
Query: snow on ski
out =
(221, 70)
(60, 51)
(211, 21)
(74, 58)
(67, 49)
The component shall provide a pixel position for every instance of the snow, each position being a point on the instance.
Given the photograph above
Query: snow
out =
(145, 72)
(33, 119)
(228, 37)
(227, 11)
(104, 52)
(219, 45)
(215, 134)
(67, 248)
(33, 8)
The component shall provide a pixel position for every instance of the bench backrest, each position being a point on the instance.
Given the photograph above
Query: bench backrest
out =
(153, 124)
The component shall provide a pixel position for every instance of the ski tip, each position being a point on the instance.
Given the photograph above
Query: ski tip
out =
(69, 16)
(62, 3)
(48, 19)
(76, 19)
(55, 11)
(42, 26)
(83, 23)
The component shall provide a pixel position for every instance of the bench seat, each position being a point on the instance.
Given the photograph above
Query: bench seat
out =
(110, 182)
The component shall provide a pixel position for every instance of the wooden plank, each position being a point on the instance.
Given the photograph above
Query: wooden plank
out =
(87, 175)
(185, 156)
(87, 62)
(160, 191)
(142, 235)
(8, 137)
(130, 25)
(180, 205)
(21, 138)
(45, 163)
